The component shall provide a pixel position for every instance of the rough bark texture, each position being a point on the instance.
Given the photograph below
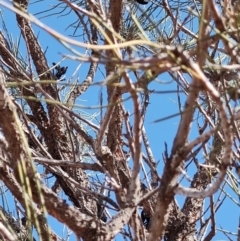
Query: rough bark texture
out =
(103, 167)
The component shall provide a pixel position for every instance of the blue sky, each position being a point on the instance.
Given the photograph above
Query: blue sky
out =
(161, 105)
